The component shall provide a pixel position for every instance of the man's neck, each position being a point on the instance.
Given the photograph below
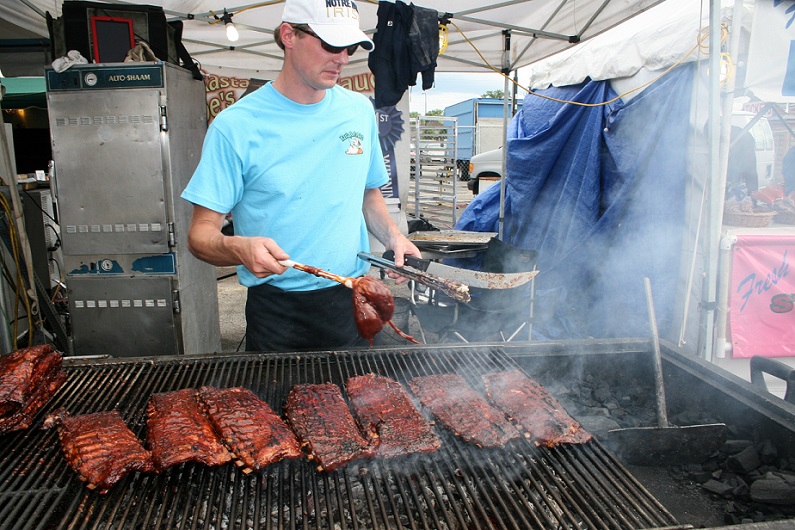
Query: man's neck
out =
(297, 91)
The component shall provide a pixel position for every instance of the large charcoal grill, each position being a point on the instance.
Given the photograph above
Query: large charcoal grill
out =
(459, 486)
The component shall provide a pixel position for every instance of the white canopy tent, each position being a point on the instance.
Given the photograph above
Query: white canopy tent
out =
(537, 29)
(506, 36)
(663, 36)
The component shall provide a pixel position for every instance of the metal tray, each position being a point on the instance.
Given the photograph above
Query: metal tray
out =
(452, 237)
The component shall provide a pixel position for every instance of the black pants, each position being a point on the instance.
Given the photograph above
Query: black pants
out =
(278, 320)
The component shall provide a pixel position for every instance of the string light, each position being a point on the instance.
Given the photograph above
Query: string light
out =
(231, 31)
(442, 39)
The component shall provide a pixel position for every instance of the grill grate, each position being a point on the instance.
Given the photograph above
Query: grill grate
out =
(459, 486)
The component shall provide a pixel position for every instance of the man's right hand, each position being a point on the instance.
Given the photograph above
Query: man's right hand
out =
(261, 256)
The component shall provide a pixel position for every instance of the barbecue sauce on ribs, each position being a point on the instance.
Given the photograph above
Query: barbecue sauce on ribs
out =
(463, 410)
(386, 413)
(249, 427)
(179, 431)
(320, 417)
(100, 447)
(373, 306)
(29, 377)
(534, 409)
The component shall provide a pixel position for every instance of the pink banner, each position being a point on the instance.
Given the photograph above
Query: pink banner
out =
(762, 297)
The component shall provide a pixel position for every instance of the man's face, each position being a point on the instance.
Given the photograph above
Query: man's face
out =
(318, 68)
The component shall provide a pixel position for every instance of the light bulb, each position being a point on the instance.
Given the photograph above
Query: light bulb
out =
(231, 32)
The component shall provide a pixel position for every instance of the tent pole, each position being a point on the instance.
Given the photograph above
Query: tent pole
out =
(718, 157)
(722, 309)
(19, 223)
(506, 70)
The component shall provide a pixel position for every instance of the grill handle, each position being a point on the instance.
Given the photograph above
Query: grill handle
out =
(763, 365)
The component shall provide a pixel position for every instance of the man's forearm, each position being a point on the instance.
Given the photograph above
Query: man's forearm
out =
(379, 222)
(206, 242)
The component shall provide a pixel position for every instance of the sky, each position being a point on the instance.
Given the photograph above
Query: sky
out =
(450, 88)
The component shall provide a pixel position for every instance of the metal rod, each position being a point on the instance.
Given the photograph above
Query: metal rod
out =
(659, 385)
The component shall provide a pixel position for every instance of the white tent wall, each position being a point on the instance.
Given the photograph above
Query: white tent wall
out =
(636, 52)
(713, 303)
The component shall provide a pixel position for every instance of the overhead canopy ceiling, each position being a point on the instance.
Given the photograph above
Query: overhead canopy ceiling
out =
(538, 28)
(659, 38)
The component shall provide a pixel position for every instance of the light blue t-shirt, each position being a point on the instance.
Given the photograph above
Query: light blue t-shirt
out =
(297, 174)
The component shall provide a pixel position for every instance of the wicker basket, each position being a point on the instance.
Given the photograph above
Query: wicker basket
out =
(749, 219)
(785, 218)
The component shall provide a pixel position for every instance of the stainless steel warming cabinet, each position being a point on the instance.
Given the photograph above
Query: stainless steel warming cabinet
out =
(126, 138)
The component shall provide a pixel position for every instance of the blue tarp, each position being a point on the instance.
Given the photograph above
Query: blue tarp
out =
(599, 192)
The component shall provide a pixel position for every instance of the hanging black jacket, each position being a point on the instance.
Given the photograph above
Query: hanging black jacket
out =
(406, 43)
(424, 40)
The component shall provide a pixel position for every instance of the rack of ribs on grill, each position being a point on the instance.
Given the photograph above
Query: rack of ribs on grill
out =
(254, 433)
(99, 447)
(323, 422)
(179, 431)
(386, 413)
(29, 377)
(463, 410)
(534, 409)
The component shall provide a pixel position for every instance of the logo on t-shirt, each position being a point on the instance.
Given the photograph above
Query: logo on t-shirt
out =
(355, 147)
(354, 140)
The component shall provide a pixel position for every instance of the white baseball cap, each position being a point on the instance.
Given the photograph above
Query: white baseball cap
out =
(334, 21)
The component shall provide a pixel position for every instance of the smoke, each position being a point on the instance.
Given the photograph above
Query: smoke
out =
(600, 193)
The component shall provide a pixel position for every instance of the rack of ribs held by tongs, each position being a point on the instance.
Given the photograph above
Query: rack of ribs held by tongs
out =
(373, 303)
(452, 288)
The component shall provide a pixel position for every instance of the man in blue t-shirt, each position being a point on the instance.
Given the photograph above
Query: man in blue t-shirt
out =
(298, 163)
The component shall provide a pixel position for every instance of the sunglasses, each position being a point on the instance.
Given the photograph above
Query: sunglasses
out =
(328, 47)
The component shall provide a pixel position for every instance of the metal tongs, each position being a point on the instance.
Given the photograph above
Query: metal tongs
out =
(453, 289)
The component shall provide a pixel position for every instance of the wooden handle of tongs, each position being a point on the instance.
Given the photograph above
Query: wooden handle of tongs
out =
(344, 280)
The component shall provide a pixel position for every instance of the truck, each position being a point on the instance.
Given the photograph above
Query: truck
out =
(484, 170)
(480, 128)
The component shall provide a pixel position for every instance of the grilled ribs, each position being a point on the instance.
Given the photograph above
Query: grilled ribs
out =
(254, 433)
(179, 431)
(534, 409)
(464, 411)
(374, 306)
(99, 447)
(23, 419)
(320, 417)
(385, 413)
(29, 377)
(16, 374)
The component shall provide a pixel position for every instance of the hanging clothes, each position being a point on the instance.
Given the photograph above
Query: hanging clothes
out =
(406, 44)
(424, 44)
